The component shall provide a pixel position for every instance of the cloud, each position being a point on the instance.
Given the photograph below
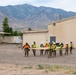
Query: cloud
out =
(10, 2)
(40, 2)
(69, 5)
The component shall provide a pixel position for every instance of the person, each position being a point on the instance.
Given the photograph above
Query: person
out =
(60, 49)
(41, 51)
(26, 49)
(66, 48)
(54, 50)
(71, 47)
(46, 51)
(50, 50)
(34, 50)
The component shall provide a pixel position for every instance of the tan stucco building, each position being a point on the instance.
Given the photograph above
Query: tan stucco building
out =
(37, 36)
(64, 30)
(60, 31)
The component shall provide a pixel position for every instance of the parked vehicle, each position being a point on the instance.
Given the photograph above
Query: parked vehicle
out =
(58, 44)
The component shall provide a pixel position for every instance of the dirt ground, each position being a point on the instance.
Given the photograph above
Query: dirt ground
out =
(13, 62)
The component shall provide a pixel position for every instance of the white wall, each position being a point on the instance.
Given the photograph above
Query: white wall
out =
(17, 39)
(12, 39)
(7, 39)
(37, 37)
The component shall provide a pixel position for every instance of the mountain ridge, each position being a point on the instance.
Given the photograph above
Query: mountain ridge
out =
(25, 16)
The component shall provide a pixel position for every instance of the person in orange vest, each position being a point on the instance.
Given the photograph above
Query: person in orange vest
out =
(71, 47)
(47, 50)
(26, 49)
(66, 48)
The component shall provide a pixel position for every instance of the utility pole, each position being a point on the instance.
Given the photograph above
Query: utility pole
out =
(60, 17)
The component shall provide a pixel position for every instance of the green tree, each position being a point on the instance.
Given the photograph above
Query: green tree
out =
(6, 26)
(11, 31)
(15, 33)
(8, 29)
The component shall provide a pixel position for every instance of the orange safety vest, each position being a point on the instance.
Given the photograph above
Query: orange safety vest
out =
(66, 46)
(26, 46)
(46, 45)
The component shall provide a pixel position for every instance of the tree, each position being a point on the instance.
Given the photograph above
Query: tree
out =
(11, 31)
(29, 29)
(15, 33)
(6, 26)
(8, 29)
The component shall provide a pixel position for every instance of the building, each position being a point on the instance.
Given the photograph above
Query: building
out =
(9, 39)
(60, 31)
(1, 37)
(37, 36)
(63, 31)
(12, 39)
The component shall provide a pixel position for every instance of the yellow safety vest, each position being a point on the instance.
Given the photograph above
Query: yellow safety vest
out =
(34, 45)
(71, 45)
(50, 47)
(60, 47)
(41, 45)
(54, 47)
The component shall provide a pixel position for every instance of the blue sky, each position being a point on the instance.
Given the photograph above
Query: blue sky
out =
(68, 5)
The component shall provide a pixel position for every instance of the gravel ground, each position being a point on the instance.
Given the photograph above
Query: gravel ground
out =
(14, 55)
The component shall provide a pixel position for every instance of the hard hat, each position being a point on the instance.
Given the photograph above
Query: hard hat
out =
(60, 43)
(46, 42)
(54, 43)
(66, 42)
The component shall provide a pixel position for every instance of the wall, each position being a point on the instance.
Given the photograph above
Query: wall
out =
(64, 31)
(37, 37)
(12, 39)
(1, 39)
(7, 39)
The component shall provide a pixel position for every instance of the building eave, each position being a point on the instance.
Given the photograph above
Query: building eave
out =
(4, 33)
(63, 20)
(42, 31)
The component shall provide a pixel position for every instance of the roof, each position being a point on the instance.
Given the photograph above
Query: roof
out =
(64, 20)
(4, 33)
(41, 31)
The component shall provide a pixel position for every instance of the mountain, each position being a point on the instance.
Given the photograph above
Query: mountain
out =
(24, 16)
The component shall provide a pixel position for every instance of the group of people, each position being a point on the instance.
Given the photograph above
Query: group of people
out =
(27, 47)
(49, 49)
(53, 48)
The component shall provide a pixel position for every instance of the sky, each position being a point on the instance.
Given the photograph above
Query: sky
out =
(68, 5)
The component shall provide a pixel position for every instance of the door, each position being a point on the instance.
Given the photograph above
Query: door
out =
(52, 39)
